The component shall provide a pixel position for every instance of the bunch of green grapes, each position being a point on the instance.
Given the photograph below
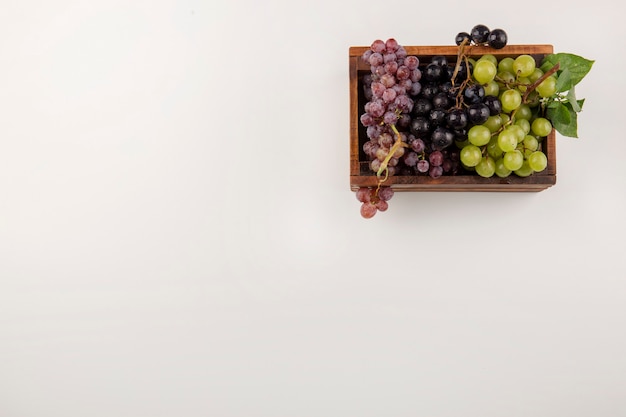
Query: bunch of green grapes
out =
(509, 142)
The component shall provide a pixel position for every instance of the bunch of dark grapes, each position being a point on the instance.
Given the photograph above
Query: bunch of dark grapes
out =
(438, 120)
(374, 200)
(481, 35)
(394, 78)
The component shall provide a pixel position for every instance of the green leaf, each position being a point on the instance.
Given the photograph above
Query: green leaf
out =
(564, 81)
(577, 66)
(571, 98)
(564, 119)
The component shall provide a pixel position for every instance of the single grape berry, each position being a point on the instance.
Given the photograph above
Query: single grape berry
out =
(494, 104)
(456, 119)
(432, 72)
(479, 34)
(422, 107)
(440, 60)
(474, 93)
(420, 126)
(437, 117)
(441, 138)
(441, 101)
(478, 113)
(461, 36)
(497, 39)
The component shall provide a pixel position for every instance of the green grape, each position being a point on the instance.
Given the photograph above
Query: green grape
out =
(501, 170)
(479, 135)
(537, 73)
(471, 155)
(506, 65)
(541, 126)
(507, 140)
(525, 170)
(504, 78)
(531, 143)
(513, 160)
(505, 118)
(524, 65)
(493, 149)
(493, 123)
(484, 71)
(524, 82)
(523, 123)
(519, 132)
(538, 161)
(523, 112)
(511, 99)
(547, 88)
(488, 57)
(486, 167)
(533, 99)
(491, 88)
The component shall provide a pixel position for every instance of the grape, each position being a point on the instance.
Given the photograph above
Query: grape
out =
(385, 193)
(441, 101)
(497, 39)
(461, 36)
(541, 126)
(435, 172)
(513, 160)
(363, 194)
(368, 210)
(435, 158)
(493, 123)
(422, 107)
(523, 112)
(486, 167)
(423, 165)
(478, 113)
(524, 65)
(531, 143)
(507, 140)
(538, 161)
(519, 132)
(501, 170)
(456, 119)
(537, 73)
(523, 123)
(437, 117)
(474, 93)
(479, 34)
(494, 104)
(470, 155)
(440, 60)
(506, 65)
(418, 145)
(441, 138)
(479, 135)
(484, 71)
(525, 170)
(547, 88)
(511, 99)
(493, 149)
(491, 89)
(382, 205)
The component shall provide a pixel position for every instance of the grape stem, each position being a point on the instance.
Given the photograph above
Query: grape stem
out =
(398, 143)
(541, 79)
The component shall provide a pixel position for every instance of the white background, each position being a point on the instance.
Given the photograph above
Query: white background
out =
(178, 237)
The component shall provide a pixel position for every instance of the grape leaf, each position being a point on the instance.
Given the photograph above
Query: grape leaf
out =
(577, 66)
(564, 119)
(571, 98)
(564, 82)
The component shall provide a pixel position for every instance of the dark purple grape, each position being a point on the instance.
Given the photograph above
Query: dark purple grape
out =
(440, 60)
(441, 138)
(420, 126)
(462, 36)
(441, 101)
(435, 158)
(474, 93)
(422, 106)
(497, 39)
(456, 119)
(429, 90)
(478, 113)
(494, 104)
(437, 117)
(432, 72)
(479, 34)
(418, 145)
(435, 172)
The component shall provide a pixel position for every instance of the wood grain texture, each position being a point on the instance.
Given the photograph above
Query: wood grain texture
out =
(361, 175)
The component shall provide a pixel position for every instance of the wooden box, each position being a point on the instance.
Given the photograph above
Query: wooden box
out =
(362, 176)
